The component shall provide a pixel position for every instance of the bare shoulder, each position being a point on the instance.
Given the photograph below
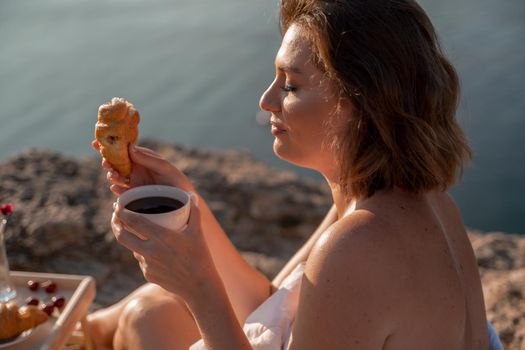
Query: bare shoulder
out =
(358, 240)
(343, 304)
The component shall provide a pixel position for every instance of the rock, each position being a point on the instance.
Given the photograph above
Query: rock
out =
(504, 293)
(63, 207)
(500, 251)
(53, 229)
(80, 264)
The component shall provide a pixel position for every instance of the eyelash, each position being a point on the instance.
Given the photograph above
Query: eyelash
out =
(288, 88)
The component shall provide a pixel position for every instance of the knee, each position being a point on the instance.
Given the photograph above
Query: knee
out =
(149, 309)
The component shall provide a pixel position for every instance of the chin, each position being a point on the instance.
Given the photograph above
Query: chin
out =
(280, 150)
(287, 154)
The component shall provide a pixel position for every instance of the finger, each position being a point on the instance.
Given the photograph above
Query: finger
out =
(118, 190)
(139, 236)
(116, 179)
(148, 158)
(145, 150)
(128, 239)
(106, 164)
(140, 225)
(116, 225)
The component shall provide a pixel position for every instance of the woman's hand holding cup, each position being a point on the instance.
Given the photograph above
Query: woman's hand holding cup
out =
(177, 259)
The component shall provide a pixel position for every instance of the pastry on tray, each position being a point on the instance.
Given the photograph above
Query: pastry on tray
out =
(116, 129)
(15, 320)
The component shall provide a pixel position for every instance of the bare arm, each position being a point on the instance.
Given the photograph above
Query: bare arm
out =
(215, 318)
(225, 255)
(243, 283)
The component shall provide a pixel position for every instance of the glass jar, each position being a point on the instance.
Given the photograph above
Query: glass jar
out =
(7, 289)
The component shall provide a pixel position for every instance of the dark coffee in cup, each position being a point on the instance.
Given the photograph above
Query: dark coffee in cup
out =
(166, 206)
(154, 205)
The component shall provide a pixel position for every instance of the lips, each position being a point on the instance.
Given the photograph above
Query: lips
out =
(277, 125)
(277, 128)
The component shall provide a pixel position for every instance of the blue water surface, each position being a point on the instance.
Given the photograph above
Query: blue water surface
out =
(196, 69)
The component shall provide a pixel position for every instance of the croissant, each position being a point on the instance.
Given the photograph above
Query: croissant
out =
(14, 320)
(116, 128)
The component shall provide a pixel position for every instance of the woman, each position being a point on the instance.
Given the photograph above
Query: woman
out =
(363, 95)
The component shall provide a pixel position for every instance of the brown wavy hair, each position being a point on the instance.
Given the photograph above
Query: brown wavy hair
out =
(384, 56)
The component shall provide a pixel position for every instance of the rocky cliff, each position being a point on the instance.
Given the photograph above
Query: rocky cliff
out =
(63, 208)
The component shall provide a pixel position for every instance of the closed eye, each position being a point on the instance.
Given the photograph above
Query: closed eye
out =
(288, 88)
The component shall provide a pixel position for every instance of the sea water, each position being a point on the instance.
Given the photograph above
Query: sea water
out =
(196, 70)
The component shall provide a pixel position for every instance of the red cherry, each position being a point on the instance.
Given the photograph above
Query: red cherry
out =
(49, 286)
(32, 301)
(6, 209)
(47, 308)
(33, 285)
(58, 301)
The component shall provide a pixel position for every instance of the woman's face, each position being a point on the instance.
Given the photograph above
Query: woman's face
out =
(303, 105)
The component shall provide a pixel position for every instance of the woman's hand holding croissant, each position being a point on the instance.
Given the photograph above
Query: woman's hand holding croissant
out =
(149, 168)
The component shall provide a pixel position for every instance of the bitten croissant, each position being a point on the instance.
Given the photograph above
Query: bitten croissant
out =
(14, 320)
(117, 127)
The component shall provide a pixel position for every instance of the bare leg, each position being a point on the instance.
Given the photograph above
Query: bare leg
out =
(103, 323)
(156, 321)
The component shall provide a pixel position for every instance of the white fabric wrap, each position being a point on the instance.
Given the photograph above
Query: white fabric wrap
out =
(269, 327)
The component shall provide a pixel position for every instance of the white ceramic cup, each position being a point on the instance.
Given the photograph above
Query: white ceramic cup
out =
(173, 220)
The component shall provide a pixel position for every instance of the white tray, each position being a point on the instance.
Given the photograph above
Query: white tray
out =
(79, 292)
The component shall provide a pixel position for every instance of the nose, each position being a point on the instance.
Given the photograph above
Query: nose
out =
(270, 100)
